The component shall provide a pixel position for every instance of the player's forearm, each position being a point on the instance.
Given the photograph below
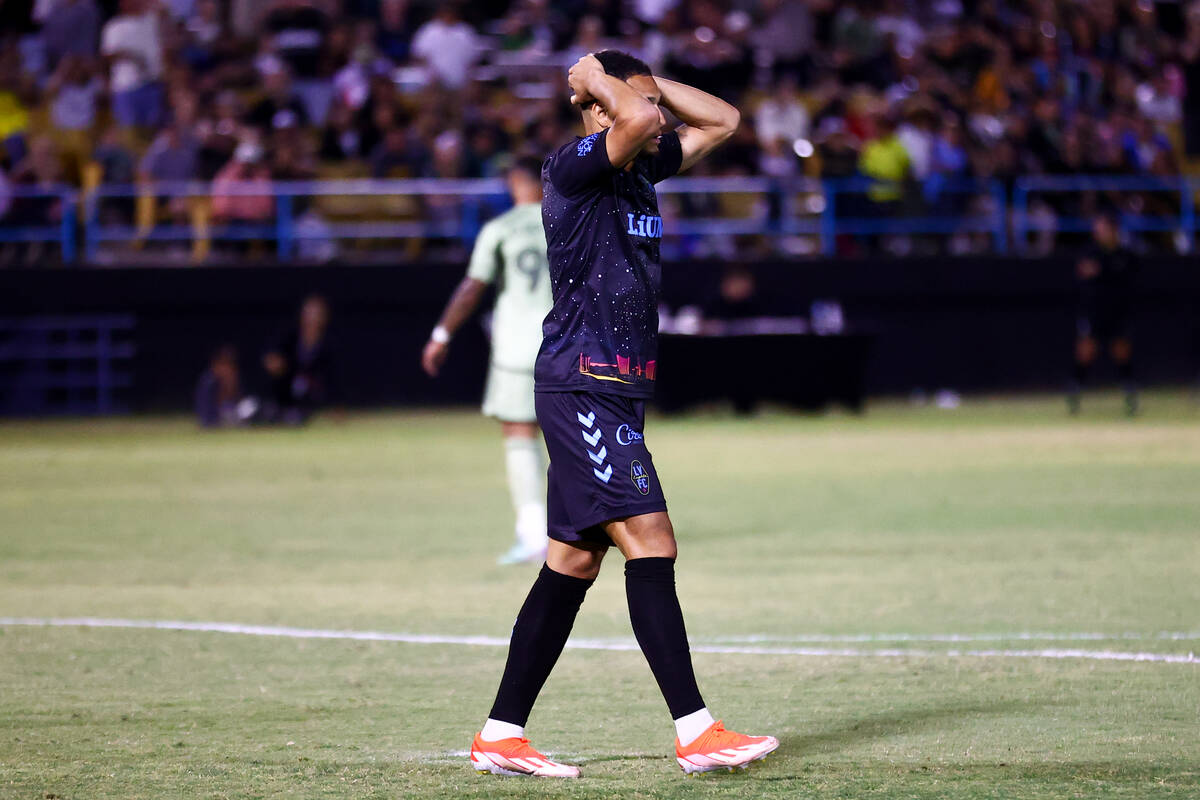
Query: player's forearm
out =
(624, 105)
(698, 109)
(463, 303)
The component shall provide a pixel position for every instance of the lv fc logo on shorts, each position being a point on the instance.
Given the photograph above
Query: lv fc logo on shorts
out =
(641, 478)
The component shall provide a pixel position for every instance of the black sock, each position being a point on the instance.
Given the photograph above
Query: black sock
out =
(538, 637)
(1125, 375)
(658, 625)
(1080, 375)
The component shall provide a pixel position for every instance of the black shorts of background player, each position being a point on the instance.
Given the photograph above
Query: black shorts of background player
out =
(1105, 277)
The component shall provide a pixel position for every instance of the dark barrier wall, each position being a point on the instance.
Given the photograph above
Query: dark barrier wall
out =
(967, 324)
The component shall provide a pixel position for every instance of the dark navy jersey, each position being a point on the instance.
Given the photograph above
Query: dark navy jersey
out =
(602, 232)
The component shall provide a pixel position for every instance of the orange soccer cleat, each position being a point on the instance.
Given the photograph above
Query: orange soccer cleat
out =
(718, 748)
(516, 757)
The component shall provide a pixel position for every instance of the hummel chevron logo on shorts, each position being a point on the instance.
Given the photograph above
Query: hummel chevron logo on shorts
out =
(592, 438)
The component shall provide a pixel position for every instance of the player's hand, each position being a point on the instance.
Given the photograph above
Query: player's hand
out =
(578, 78)
(434, 356)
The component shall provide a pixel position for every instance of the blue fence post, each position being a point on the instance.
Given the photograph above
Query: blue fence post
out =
(103, 368)
(829, 219)
(284, 226)
(1000, 223)
(1187, 210)
(1020, 208)
(67, 234)
(91, 225)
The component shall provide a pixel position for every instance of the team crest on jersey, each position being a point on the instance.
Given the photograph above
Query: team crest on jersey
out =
(585, 145)
(641, 478)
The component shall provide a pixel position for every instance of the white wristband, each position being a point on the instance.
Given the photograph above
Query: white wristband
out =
(440, 335)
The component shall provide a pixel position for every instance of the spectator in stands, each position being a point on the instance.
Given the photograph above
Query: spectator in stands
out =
(341, 139)
(218, 133)
(395, 29)
(204, 36)
(395, 156)
(885, 159)
(245, 170)
(782, 118)
(173, 157)
(41, 169)
(786, 36)
(300, 366)
(74, 90)
(17, 95)
(447, 46)
(69, 28)
(132, 44)
(115, 160)
(298, 31)
(281, 107)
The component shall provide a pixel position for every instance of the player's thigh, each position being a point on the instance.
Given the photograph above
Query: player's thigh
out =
(577, 559)
(508, 396)
(644, 536)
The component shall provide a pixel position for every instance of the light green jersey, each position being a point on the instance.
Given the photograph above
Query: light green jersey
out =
(511, 252)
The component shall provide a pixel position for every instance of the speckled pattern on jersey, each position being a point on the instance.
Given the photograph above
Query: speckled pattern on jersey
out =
(603, 232)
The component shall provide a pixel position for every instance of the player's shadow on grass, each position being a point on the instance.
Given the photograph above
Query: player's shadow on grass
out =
(853, 732)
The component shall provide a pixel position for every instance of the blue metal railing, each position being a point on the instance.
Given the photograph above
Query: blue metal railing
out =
(1182, 187)
(24, 222)
(69, 363)
(455, 209)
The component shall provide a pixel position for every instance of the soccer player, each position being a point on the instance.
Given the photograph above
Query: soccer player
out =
(1105, 277)
(511, 253)
(596, 368)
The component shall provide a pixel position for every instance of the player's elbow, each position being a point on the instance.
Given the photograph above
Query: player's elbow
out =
(730, 122)
(643, 123)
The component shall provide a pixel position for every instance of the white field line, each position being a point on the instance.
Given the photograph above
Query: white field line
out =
(588, 644)
(951, 638)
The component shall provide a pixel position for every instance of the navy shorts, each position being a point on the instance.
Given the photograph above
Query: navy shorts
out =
(600, 469)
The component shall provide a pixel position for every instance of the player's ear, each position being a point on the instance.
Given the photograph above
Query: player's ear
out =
(600, 115)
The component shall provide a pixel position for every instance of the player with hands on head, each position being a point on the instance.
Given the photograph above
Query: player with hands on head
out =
(596, 368)
(510, 253)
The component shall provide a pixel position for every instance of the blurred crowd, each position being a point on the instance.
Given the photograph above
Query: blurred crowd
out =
(928, 91)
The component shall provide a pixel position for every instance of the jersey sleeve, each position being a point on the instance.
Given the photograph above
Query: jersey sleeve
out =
(580, 165)
(485, 257)
(667, 160)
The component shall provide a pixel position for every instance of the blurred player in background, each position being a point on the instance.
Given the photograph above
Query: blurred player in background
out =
(1105, 275)
(596, 367)
(510, 253)
(301, 366)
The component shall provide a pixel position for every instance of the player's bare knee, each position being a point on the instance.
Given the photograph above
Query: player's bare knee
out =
(1121, 350)
(578, 562)
(645, 536)
(1085, 350)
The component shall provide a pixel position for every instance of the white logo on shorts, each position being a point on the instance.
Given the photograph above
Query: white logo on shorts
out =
(592, 439)
(627, 435)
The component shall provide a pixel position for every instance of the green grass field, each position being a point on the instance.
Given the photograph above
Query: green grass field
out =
(835, 555)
